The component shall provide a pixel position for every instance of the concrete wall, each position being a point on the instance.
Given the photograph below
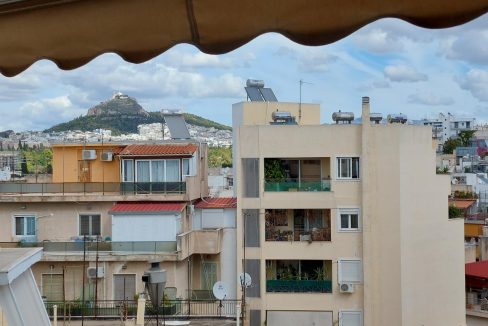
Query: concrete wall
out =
(58, 221)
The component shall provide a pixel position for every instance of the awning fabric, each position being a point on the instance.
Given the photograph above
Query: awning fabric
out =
(462, 203)
(146, 207)
(477, 269)
(73, 32)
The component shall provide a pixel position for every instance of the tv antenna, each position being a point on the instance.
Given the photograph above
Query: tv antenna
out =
(300, 102)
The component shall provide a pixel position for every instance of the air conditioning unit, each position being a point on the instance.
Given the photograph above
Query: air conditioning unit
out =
(346, 287)
(89, 154)
(92, 272)
(107, 156)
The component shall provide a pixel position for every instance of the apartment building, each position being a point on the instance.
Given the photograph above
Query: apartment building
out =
(342, 224)
(448, 126)
(110, 209)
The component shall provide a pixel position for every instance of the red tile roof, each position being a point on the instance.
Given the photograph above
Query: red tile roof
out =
(223, 202)
(137, 207)
(462, 203)
(166, 149)
(477, 269)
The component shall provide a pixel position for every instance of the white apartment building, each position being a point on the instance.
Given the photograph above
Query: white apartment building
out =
(448, 126)
(342, 224)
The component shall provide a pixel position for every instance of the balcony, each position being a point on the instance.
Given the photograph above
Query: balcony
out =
(112, 249)
(299, 286)
(199, 242)
(297, 185)
(297, 174)
(297, 225)
(299, 276)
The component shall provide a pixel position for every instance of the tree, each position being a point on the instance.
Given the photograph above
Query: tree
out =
(465, 137)
(450, 145)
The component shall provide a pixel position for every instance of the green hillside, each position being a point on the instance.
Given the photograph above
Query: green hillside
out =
(127, 123)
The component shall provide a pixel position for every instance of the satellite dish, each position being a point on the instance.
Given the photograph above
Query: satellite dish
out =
(220, 290)
(245, 280)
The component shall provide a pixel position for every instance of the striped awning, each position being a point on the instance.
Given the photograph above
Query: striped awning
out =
(73, 32)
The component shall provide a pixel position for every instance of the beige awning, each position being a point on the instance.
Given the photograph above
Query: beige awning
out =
(73, 32)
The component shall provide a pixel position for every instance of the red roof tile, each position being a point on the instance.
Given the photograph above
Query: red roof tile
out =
(477, 269)
(136, 207)
(166, 149)
(223, 202)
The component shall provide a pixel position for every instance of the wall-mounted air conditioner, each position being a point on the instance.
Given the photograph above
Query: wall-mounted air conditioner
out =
(346, 287)
(107, 156)
(89, 154)
(91, 272)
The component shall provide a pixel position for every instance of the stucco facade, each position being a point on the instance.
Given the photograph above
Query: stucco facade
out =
(411, 256)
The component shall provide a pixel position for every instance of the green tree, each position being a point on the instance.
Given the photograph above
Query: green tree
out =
(465, 137)
(219, 157)
(450, 145)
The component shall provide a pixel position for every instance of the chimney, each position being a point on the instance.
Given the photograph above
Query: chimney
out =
(365, 113)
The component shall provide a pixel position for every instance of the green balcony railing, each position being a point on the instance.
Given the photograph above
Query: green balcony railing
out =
(317, 286)
(297, 185)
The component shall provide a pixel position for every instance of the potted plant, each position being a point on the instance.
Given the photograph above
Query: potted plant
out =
(273, 173)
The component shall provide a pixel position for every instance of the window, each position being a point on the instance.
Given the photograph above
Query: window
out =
(350, 271)
(349, 220)
(209, 275)
(348, 167)
(186, 167)
(25, 225)
(90, 224)
(128, 170)
(350, 318)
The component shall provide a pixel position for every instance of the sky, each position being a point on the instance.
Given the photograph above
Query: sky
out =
(401, 67)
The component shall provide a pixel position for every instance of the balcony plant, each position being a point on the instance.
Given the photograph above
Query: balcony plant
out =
(274, 173)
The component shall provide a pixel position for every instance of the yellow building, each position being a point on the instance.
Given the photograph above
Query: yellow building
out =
(343, 224)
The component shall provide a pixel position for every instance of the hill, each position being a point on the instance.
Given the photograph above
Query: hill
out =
(122, 114)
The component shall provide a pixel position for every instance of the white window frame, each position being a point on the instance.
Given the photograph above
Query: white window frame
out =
(338, 167)
(24, 235)
(133, 170)
(189, 167)
(339, 270)
(90, 223)
(349, 211)
(350, 312)
(180, 162)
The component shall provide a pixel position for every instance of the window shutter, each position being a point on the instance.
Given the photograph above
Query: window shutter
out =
(84, 225)
(350, 271)
(52, 287)
(350, 318)
(95, 230)
(19, 225)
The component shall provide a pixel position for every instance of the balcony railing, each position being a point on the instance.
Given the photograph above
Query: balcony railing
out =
(297, 185)
(144, 247)
(124, 188)
(317, 286)
(315, 234)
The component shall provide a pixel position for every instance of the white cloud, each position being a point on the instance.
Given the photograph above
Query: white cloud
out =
(403, 73)
(378, 41)
(476, 82)
(309, 59)
(427, 98)
(375, 84)
(40, 114)
(469, 47)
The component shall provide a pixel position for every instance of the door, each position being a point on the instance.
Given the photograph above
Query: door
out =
(52, 287)
(124, 287)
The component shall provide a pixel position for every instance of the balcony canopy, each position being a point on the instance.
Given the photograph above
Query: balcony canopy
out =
(73, 32)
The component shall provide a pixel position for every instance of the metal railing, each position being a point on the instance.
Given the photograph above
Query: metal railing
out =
(128, 308)
(124, 188)
(297, 234)
(105, 246)
(301, 184)
(317, 286)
